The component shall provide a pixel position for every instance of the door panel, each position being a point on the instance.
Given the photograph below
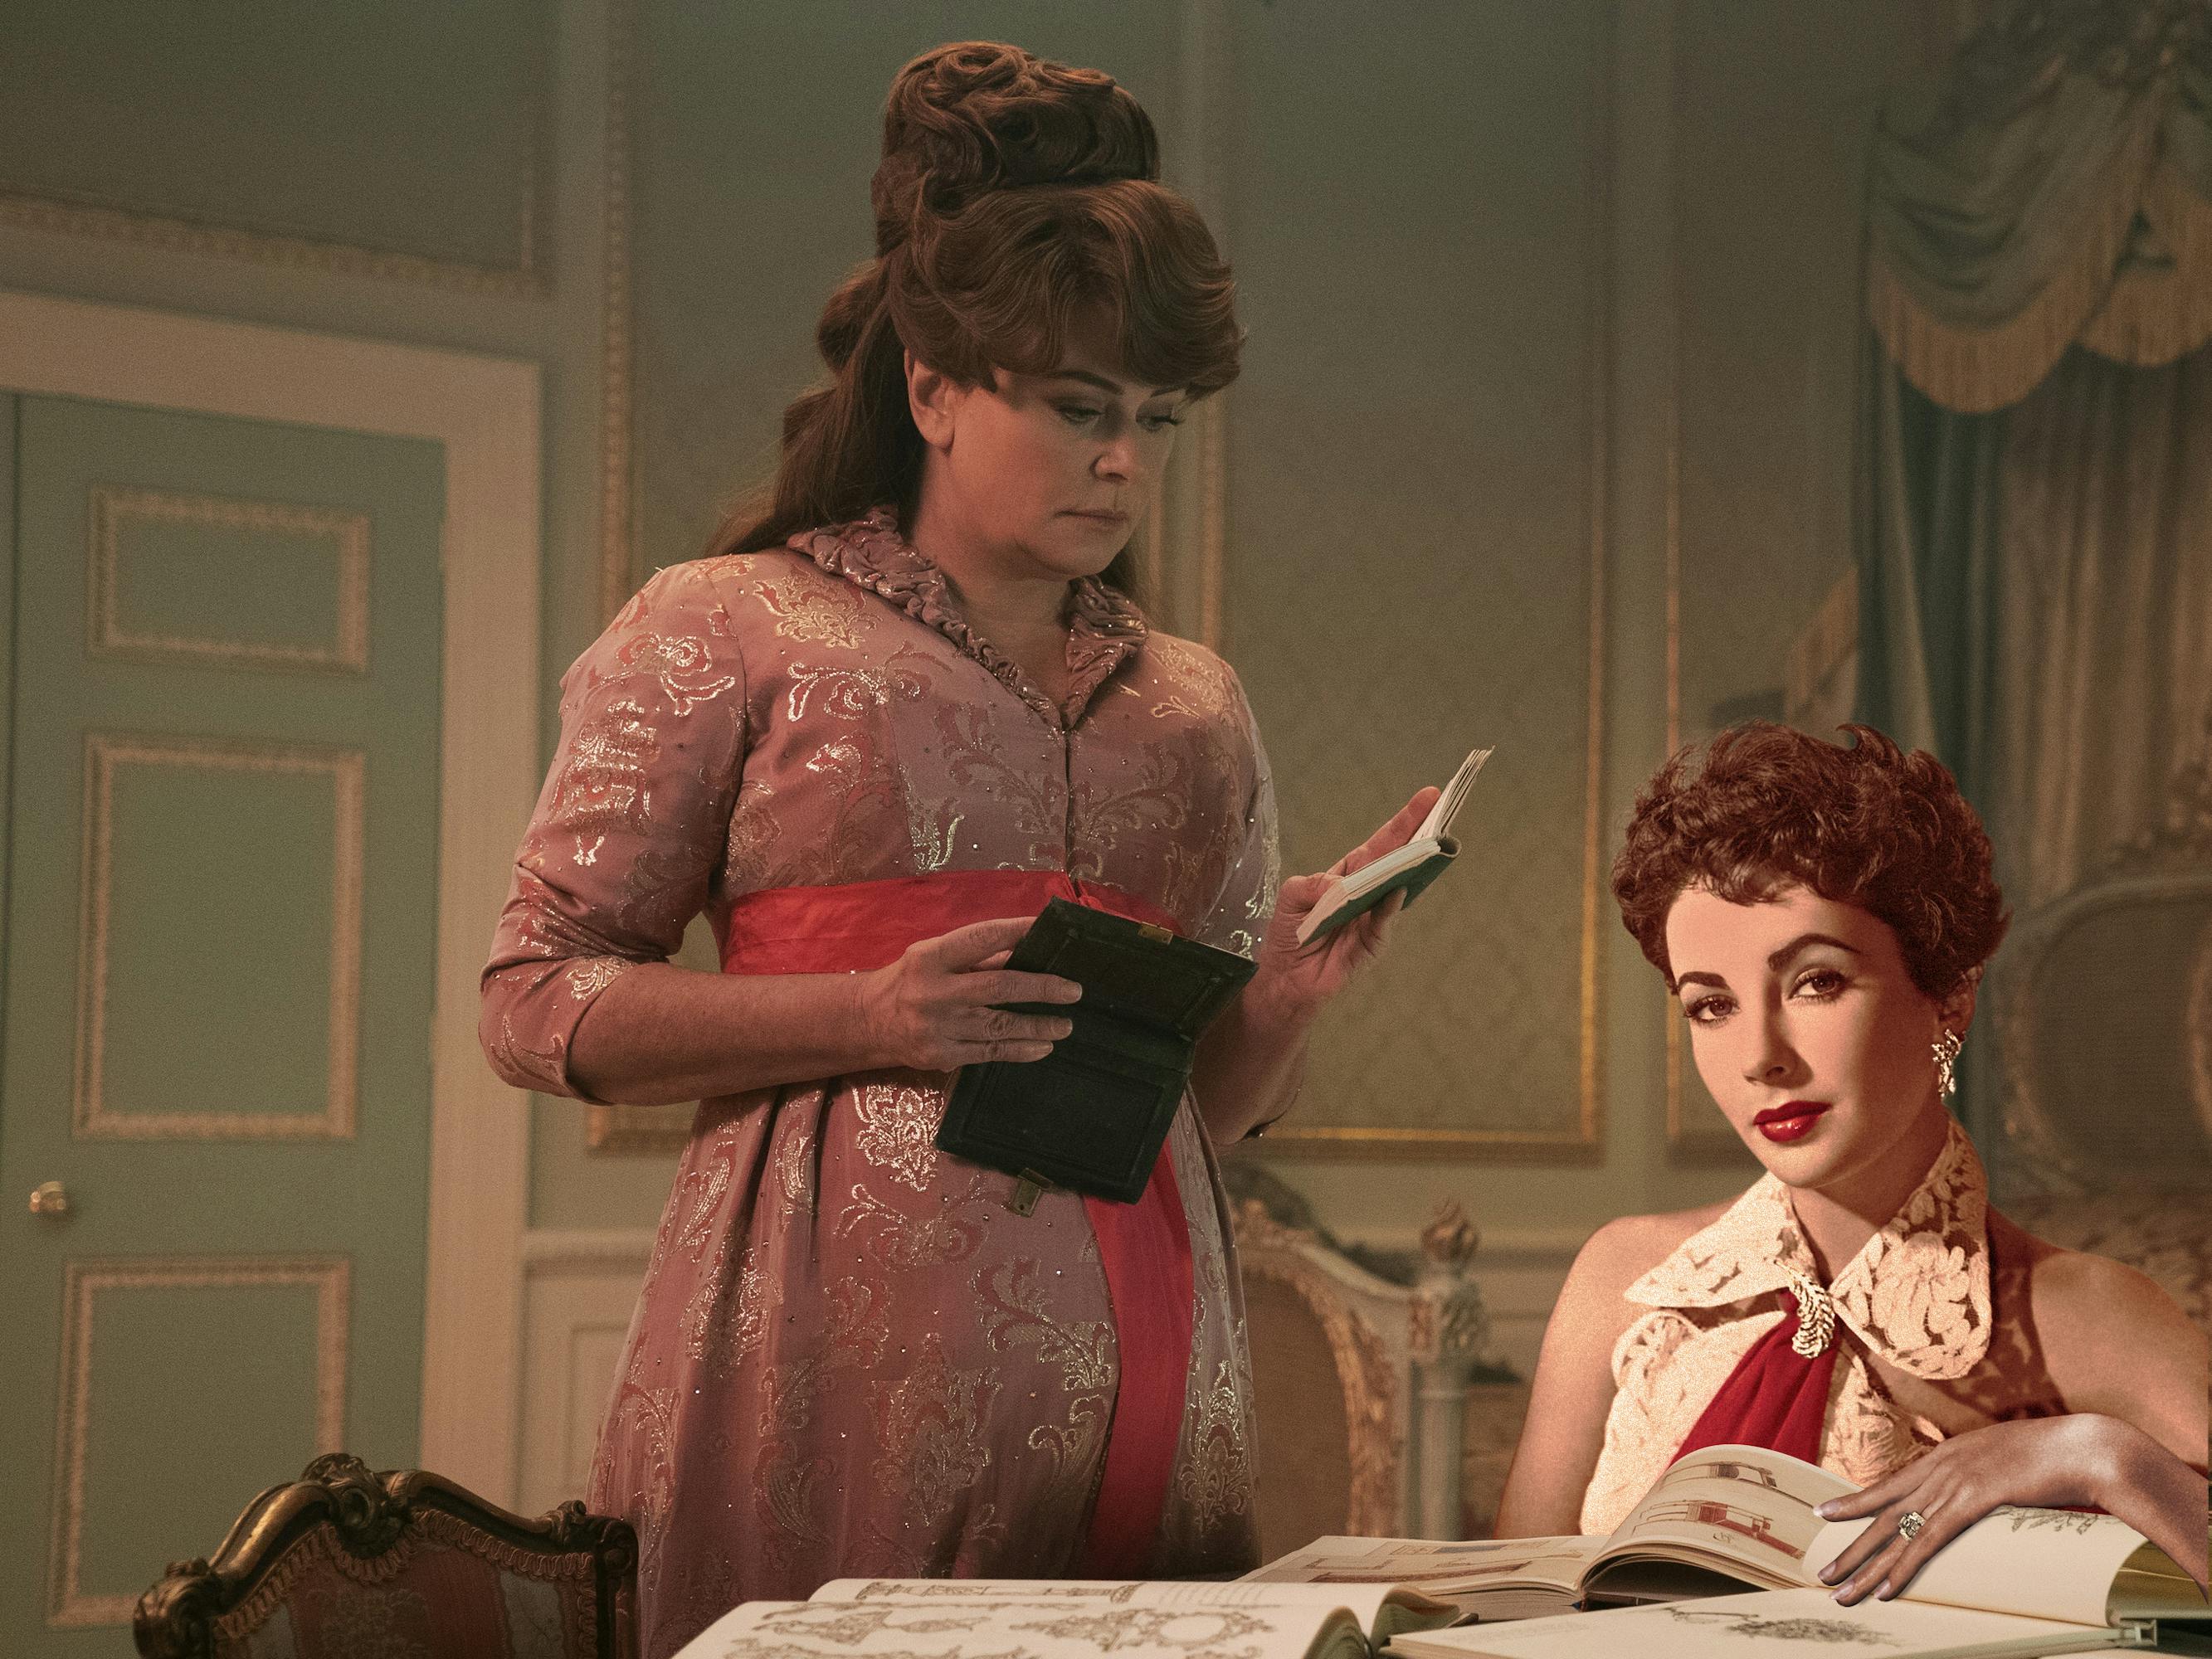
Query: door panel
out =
(219, 970)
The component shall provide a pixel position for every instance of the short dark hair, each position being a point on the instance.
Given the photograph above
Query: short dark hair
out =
(1771, 807)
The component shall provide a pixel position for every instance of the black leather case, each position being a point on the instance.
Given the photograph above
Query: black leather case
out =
(1092, 1115)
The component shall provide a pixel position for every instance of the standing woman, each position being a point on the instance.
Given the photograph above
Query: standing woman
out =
(907, 701)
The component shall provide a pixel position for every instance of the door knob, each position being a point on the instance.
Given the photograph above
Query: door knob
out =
(49, 1197)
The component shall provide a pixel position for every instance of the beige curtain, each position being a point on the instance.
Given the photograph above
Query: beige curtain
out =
(2102, 616)
(2034, 522)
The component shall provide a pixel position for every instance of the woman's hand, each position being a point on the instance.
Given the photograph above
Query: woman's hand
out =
(1299, 981)
(932, 1009)
(2079, 1460)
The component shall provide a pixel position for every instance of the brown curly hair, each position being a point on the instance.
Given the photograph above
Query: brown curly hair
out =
(1016, 200)
(1869, 826)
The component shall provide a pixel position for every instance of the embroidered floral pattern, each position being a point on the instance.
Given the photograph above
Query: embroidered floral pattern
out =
(590, 975)
(605, 785)
(685, 668)
(931, 1425)
(812, 611)
(898, 1127)
(831, 1298)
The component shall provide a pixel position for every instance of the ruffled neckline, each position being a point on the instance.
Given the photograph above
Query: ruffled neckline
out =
(1104, 626)
(1917, 1293)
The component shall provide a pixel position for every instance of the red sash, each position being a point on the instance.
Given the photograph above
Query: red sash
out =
(1775, 1397)
(1144, 1247)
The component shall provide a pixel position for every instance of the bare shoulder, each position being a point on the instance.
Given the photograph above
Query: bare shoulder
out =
(2072, 1287)
(1623, 1250)
(2107, 1328)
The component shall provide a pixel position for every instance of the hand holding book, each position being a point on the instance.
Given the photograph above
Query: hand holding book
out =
(1393, 862)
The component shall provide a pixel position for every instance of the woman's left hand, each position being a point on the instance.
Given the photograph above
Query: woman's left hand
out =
(1301, 980)
(2046, 1460)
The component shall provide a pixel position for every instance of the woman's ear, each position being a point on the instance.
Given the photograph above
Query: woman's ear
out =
(932, 399)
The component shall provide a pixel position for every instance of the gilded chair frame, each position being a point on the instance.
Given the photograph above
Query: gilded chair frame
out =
(1403, 1356)
(368, 1516)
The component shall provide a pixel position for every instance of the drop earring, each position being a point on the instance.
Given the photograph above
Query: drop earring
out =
(1945, 1048)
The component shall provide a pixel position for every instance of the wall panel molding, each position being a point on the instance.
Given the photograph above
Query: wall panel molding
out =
(105, 756)
(68, 1603)
(1582, 1144)
(580, 1288)
(112, 509)
(617, 320)
(526, 280)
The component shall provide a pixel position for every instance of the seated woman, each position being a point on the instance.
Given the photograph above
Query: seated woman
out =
(1823, 914)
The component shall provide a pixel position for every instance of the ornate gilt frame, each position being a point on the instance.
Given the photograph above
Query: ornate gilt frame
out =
(1585, 1143)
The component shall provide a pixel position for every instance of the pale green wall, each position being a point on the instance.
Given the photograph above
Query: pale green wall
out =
(1410, 201)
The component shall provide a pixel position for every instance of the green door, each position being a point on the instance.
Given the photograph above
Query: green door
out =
(222, 731)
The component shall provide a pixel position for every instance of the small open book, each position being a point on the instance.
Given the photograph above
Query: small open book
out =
(1411, 868)
(1727, 1519)
(1071, 1618)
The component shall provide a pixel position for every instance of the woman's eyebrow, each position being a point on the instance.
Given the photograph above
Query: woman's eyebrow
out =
(1111, 388)
(1805, 940)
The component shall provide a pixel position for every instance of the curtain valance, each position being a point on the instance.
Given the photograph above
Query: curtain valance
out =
(2056, 188)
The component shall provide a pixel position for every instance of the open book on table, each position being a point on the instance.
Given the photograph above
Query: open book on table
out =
(1412, 867)
(1071, 1619)
(1729, 1519)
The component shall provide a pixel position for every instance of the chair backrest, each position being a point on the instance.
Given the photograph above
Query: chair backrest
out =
(1359, 1384)
(2102, 1016)
(2103, 1021)
(343, 1562)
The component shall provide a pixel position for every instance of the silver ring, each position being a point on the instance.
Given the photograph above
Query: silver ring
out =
(1910, 1523)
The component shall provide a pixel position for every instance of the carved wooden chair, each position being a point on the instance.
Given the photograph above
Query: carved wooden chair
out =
(343, 1563)
(1359, 1381)
(2104, 1024)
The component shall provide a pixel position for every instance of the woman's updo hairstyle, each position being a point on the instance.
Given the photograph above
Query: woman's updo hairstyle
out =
(1016, 201)
(1771, 807)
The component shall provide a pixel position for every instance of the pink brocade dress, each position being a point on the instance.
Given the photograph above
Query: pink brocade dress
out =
(850, 1355)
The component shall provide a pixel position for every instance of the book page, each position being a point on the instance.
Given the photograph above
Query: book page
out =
(1797, 1624)
(2048, 1564)
(1438, 1569)
(1364, 1600)
(1748, 1508)
(1453, 795)
(952, 1627)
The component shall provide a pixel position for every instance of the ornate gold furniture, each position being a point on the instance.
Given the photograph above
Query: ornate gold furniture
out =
(342, 1563)
(1359, 1381)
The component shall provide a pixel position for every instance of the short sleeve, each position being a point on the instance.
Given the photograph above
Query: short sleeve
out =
(622, 850)
(1247, 900)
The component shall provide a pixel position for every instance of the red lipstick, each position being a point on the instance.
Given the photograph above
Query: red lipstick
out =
(1791, 1123)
